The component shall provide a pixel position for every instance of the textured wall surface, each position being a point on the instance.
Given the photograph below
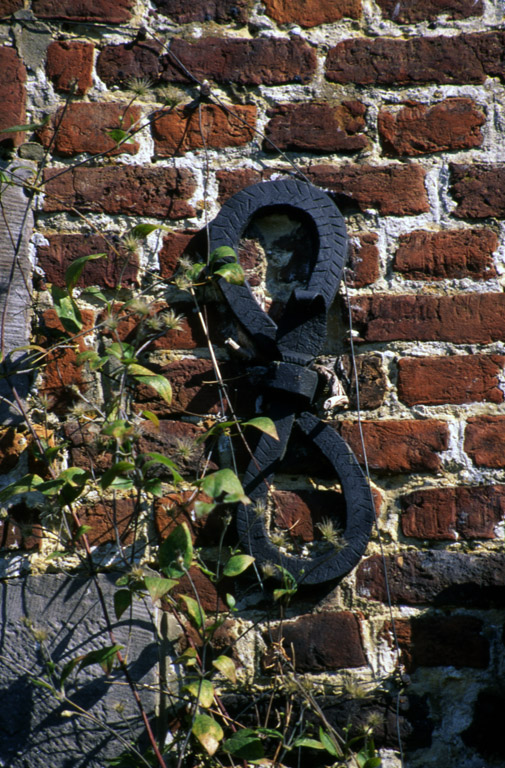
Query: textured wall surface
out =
(396, 109)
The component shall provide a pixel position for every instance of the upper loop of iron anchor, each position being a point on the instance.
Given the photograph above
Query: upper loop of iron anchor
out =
(285, 351)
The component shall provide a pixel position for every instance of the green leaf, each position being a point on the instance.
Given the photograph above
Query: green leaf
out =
(118, 429)
(372, 762)
(223, 252)
(195, 611)
(230, 601)
(327, 743)
(103, 656)
(95, 292)
(67, 310)
(26, 126)
(232, 273)
(117, 469)
(82, 531)
(143, 230)
(152, 417)
(245, 744)
(202, 691)
(225, 486)
(158, 458)
(73, 481)
(208, 732)
(26, 484)
(158, 587)
(193, 273)
(203, 508)
(237, 564)
(226, 666)
(122, 601)
(119, 136)
(264, 424)
(154, 380)
(91, 357)
(303, 741)
(74, 271)
(175, 554)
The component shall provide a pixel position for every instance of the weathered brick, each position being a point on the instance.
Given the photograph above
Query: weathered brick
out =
(449, 514)
(69, 63)
(440, 380)
(175, 244)
(88, 448)
(109, 522)
(445, 60)
(310, 640)
(299, 512)
(210, 596)
(311, 13)
(21, 528)
(394, 190)
(129, 326)
(61, 372)
(84, 127)
(110, 11)
(9, 6)
(128, 189)
(176, 508)
(257, 61)
(118, 267)
(417, 129)
(479, 190)
(412, 11)
(190, 392)
(452, 254)
(180, 130)
(363, 264)
(463, 319)
(485, 441)
(221, 11)
(372, 380)
(437, 577)
(178, 441)
(441, 641)
(12, 95)
(316, 127)
(118, 64)
(398, 446)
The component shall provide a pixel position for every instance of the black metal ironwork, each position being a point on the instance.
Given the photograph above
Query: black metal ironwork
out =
(286, 350)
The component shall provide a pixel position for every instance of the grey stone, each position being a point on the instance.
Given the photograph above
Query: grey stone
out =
(32, 39)
(35, 730)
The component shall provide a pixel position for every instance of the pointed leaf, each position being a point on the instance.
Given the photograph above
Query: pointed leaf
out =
(74, 271)
(175, 554)
(67, 310)
(203, 691)
(222, 253)
(237, 564)
(225, 486)
(226, 666)
(26, 484)
(117, 469)
(122, 601)
(264, 424)
(232, 273)
(154, 380)
(158, 587)
(152, 417)
(159, 458)
(208, 732)
(245, 745)
(327, 743)
(195, 611)
(303, 741)
(143, 230)
(103, 656)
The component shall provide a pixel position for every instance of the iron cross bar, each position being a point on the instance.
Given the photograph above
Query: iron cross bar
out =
(285, 352)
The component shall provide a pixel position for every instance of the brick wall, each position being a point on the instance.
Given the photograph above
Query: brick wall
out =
(396, 109)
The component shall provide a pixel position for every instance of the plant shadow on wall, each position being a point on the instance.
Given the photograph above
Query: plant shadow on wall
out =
(112, 471)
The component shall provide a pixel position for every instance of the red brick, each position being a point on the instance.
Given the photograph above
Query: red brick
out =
(313, 127)
(445, 60)
(394, 190)
(211, 598)
(363, 260)
(12, 96)
(109, 522)
(485, 441)
(452, 254)
(61, 372)
(117, 64)
(190, 392)
(449, 514)
(479, 190)
(398, 446)
(436, 577)
(85, 126)
(178, 441)
(417, 129)
(257, 61)
(128, 189)
(70, 62)
(111, 11)
(473, 318)
(21, 529)
(88, 449)
(10, 6)
(372, 380)
(311, 13)
(174, 246)
(118, 267)
(441, 641)
(310, 641)
(176, 508)
(412, 11)
(130, 326)
(221, 11)
(183, 129)
(299, 512)
(440, 380)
